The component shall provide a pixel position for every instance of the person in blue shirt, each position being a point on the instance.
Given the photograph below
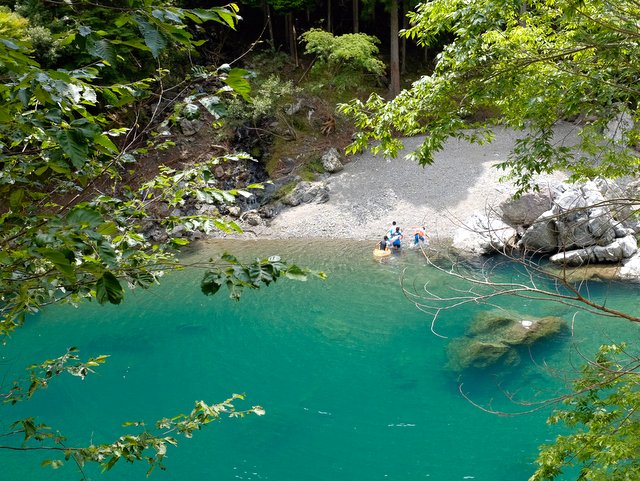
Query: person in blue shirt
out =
(396, 238)
(392, 230)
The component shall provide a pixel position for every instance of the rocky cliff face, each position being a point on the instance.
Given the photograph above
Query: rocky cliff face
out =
(577, 224)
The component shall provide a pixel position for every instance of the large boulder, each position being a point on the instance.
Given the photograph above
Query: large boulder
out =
(308, 193)
(527, 208)
(583, 218)
(618, 127)
(630, 271)
(483, 234)
(542, 234)
(579, 218)
(493, 336)
(332, 161)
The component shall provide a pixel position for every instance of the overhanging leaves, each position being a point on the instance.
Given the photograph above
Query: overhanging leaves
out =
(108, 289)
(237, 276)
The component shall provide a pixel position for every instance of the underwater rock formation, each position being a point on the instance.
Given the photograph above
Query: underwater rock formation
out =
(494, 336)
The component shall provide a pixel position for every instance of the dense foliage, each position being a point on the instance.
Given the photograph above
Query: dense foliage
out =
(525, 65)
(74, 217)
(602, 415)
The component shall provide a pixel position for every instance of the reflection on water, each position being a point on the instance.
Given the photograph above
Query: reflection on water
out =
(352, 378)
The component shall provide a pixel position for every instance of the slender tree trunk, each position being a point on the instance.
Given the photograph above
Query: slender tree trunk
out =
(267, 17)
(329, 21)
(291, 37)
(356, 16)
(524, 7)
(294, 44)
(405, 24)
(394, 64)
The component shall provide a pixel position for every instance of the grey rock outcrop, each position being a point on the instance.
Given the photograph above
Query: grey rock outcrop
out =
(618, 250)
(526, 209)
(580, 224)
(580, 217)
(583, 218)
(190, 127)
(308, 193)
(542, 235)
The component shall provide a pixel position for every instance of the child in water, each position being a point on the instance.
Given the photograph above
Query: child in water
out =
(420, 236)
(384, 244)
(396, 239)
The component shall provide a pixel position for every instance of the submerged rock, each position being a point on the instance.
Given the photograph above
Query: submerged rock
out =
(468, 352)
(495, 335)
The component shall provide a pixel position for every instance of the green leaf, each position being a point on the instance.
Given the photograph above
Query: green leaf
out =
(108, 228)
(16, 198)
(104, 141)
(153, 38)
(100, 48)
(180, 241)
(236, 79)
(107, 466)
(85, 217)
(74, 145)
(296, 273)
(211, 283)
(137, 44)
(107, 253)
(61, 260)
(108, 289)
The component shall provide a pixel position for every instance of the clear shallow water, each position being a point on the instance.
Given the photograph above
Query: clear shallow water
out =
(349, 373)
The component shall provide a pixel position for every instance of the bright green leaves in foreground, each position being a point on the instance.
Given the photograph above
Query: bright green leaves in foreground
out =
(147, 444)
(45, 371)
(526, 67)
(80, 218)
(237, 276)
(72, 225)
(603, 416)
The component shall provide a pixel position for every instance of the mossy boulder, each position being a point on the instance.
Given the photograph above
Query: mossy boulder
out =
(494, 336)
(469, 352)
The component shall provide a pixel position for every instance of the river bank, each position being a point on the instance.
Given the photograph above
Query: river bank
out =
(371, 192)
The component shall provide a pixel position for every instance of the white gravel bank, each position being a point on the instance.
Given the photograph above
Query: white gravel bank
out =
(371, 192)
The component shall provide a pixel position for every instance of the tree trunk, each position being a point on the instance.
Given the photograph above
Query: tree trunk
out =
(405, 24)
(266, 10)
(356, 16)
(329, 22)
(291, 37)
(394, 61)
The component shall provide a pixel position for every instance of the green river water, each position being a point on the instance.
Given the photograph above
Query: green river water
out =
(351, 376)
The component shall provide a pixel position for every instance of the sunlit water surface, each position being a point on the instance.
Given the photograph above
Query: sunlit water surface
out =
(349, 371)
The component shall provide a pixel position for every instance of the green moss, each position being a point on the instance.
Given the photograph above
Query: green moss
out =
(311, 169)
(285, 190)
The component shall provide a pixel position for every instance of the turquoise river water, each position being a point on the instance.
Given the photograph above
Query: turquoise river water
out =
(352, 378)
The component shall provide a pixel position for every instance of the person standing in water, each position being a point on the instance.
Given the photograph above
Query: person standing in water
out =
(396, 238)
(392, 230)
(420, 235)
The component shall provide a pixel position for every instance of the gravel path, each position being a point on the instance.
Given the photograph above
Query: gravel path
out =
(371, 192)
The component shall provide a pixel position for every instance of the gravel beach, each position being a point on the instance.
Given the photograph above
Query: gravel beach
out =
(371, 192)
